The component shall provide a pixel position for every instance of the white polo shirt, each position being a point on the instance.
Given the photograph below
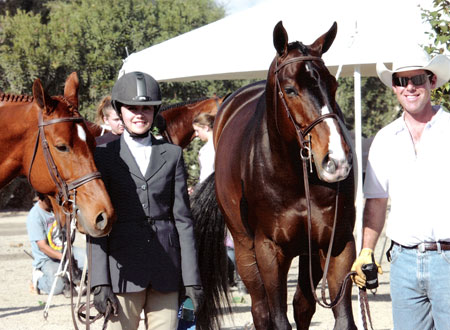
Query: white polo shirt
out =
(418, 184)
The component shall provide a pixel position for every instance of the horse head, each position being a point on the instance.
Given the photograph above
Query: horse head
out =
(62, 164)
(302, 92)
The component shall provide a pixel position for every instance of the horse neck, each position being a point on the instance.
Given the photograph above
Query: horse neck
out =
(179, 123)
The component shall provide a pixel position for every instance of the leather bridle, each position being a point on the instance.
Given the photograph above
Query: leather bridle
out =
(66, 195)
(63, 196)
(306, 156)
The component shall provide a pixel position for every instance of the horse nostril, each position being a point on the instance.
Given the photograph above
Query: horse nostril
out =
(101, 221)
(329, 165)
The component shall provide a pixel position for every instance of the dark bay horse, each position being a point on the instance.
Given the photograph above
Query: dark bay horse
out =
(284, 183)
(175, 120)
(46, 140)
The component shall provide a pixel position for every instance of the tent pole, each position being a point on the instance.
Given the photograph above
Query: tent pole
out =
(358, 148)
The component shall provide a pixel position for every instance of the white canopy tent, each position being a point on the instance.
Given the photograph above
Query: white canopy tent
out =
(240, 46)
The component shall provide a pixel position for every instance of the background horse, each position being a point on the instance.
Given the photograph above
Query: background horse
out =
(283, 177)
(174, 121)
(47, 140)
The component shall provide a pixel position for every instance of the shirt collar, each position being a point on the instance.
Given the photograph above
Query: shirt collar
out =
(137, 142)
(401, 125)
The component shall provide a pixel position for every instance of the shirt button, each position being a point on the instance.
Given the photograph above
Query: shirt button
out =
(143, 187)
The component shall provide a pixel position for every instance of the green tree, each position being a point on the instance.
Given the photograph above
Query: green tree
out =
(379, 105)
(439, 19)
(90, 37)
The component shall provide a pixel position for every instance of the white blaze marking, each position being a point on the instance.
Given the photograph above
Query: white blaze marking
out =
(81, 133)
(334, 144)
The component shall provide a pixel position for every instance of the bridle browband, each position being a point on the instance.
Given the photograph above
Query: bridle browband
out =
(305, 155)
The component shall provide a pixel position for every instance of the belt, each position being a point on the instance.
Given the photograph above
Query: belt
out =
(427, 246)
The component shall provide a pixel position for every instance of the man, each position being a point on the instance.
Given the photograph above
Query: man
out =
(111, 119)
(47, 247)
(408, 162)
(150, 254)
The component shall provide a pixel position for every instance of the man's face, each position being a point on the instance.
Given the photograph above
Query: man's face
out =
(414, 98)
(113, 120)
(137, 118)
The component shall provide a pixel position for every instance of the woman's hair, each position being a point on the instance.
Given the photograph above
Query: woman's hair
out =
(204, 119)
(102, 108)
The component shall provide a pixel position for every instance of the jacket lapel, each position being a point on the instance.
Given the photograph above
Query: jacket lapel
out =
(127, 157)
(157, 159)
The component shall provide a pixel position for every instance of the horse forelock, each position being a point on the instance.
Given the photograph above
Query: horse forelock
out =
(73, 111)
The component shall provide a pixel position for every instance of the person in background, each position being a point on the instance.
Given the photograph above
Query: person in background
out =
(46, 239)
(150, 255)
(407, 164)
(203, 127)
(110, 120)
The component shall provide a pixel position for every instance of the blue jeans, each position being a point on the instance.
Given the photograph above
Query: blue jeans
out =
(420, 289)
(50, 267)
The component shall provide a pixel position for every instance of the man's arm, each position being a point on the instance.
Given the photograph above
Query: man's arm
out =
(374, 218)
(45, 248)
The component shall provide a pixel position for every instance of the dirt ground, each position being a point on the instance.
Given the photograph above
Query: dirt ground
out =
(22, 310)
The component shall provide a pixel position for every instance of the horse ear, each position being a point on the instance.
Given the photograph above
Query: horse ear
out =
(71, 89)
(280, 38)
(41, 97)
(324, 42)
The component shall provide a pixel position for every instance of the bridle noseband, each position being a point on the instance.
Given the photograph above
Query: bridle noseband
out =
(63, 196)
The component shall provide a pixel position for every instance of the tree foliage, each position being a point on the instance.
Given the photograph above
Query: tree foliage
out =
(89, 37)
(439, 19)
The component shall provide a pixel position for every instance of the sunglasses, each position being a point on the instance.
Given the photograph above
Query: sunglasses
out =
(418, 80)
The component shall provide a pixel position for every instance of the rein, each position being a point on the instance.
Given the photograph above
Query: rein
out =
(305, 155)
(64, 196)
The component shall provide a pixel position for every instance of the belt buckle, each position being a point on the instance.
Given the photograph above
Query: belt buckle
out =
(421, 247)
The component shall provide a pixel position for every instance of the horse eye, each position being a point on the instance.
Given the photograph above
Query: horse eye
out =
(62, 148)
(291, 91)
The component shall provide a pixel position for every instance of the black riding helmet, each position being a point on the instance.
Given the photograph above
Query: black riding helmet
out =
(136, 88)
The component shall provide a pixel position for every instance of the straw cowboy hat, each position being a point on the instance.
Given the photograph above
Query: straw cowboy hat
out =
(417, 60)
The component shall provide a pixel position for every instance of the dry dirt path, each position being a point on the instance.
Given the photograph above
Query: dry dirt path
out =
(22, 310)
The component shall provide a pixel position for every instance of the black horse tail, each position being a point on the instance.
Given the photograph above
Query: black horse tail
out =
(212, 256)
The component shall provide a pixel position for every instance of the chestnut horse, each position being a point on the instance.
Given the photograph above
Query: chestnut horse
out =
(47, 140)
(284, 183)
(175, 120)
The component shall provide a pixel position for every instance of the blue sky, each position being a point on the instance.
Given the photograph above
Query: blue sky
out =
(233, 6)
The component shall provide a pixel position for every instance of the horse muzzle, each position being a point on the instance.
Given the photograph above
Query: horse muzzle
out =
(333, 169)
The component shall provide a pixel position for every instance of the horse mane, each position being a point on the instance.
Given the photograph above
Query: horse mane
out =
(180, 104)
(23, 98)
(16, 98)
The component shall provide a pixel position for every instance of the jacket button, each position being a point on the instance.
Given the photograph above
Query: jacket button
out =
(143, 187)
(144, 206)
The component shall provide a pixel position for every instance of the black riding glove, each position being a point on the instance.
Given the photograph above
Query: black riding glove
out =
(195, 292)
(102, 295)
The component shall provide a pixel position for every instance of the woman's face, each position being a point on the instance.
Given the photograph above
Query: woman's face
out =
(113, 120)
(201, 131)
(138, 119)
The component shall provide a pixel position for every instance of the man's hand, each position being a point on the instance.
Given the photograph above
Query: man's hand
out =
(195, 292)
(103, 294)
(365, 257)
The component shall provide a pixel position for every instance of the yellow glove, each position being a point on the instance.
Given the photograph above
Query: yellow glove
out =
(365, 257)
